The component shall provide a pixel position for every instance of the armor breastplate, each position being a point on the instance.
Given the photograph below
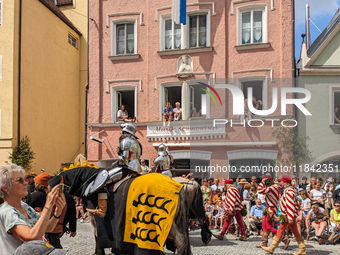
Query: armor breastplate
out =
(131, 152)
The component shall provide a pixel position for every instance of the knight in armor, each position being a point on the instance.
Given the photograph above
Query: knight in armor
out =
(131, 150)
(163, 161)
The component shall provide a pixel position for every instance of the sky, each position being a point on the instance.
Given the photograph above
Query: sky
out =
(321, 13)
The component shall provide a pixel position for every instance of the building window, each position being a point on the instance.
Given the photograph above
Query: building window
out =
(193, 35)
(336, 107)
(172, 35)
(124, 95)
(198, 101)
(257, 87)
(125, 39)
(252, 25)
(73, 41)
(1, 8)
(197, 31)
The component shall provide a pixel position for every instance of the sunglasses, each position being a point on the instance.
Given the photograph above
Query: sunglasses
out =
(21, 180)
(336, 205)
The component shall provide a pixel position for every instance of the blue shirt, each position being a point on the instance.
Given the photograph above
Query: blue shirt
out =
(168, 111)
(257, 212)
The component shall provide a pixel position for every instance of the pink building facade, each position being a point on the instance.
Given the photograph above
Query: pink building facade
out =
(140, 58)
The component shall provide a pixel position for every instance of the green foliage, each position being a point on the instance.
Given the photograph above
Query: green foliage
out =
(22, 154)
(292, 144)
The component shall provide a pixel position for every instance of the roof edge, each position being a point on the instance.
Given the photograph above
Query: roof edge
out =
(63, 18)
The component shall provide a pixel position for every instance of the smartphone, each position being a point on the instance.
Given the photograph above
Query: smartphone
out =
(61, 189)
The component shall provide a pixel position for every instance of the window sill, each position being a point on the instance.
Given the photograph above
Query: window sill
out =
(123, 57)
(184, 51)
(251, 46)
(334, 125)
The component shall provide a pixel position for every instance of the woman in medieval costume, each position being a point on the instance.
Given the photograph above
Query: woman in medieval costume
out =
(289, 207)
(233, 209)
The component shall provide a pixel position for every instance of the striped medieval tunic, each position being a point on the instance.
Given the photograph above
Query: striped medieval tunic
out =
(233, 200)
(272, 195)
(289, 204)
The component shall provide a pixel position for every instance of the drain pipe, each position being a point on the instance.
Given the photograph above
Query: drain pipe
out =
(87, 85)
(19, 71)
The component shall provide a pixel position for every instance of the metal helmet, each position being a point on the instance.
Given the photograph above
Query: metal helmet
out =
(129, 127)
(163, 150)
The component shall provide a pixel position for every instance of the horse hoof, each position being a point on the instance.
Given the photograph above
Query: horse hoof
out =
(207, 242)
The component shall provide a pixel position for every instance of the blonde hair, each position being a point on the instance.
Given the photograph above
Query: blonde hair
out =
(177, 103)
(247, 186)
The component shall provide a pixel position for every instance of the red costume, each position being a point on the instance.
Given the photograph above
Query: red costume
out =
(234, 206)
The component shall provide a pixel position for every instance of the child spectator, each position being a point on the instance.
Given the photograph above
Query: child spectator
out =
(220, 214)
(209, 211)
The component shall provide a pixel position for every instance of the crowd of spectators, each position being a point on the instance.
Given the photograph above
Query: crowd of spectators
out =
(319, 202)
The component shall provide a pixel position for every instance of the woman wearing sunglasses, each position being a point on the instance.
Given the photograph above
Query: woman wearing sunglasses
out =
(335, 221)
(18, 221)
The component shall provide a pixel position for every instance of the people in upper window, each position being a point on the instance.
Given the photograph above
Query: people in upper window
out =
(196, 112)
(257, 104)
(167, 113)
(336, 116)
(123, 115)
(177, 111)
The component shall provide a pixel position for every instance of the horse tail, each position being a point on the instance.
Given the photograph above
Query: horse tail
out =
(182, 221)
(200, 214)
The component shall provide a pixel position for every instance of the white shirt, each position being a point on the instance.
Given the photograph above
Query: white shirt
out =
(214, 187)
(177, 110)
(317, 195)
(304, 204)
(261, 197)
(120, 114)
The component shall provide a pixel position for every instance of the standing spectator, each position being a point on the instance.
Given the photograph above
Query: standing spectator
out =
(220, 214)
(167, 113)
(254, 181)
(177, 111)
(37, 199)
(145, 168)
(237, 181)
(305, 203)
(31, 184)
(304, 183)
(329, 183)
(256, 215)
(318, 195)
(68, 216)
(209, 211)
(210, 181)
(17, 228)
(247, 202)
(216, 185)
(335, 219)
(240, 187)
(328, 202)
(80, 209)
(308, 187)
(206, 191)
(318, 216)
(281, 186)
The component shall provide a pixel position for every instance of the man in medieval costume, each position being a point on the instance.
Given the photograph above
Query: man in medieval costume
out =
(234, 207)
(289, 208)
(271, 191)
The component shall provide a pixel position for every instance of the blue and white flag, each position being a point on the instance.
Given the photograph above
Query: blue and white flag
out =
(179, 11)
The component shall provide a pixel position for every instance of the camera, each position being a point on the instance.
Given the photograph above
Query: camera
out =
(96, 139)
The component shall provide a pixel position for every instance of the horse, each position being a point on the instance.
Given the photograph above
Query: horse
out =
(77, 180)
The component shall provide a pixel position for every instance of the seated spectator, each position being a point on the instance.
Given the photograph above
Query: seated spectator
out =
(220, 214)
(216, 185)
(336, 195)
(304, 183)
(209, 211)
(123, 115)
(335, 217)
(318, 216)
(196, 112)
(318, 195)
(177, 111)
(145, 168)
(256, 215)
(299, 198)
(215, 196)
(167, 113)
(20, 222)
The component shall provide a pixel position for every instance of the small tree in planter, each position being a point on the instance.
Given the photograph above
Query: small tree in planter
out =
(293, 145)
(22, 154)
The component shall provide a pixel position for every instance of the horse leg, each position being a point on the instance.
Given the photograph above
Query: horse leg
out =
(94, 225)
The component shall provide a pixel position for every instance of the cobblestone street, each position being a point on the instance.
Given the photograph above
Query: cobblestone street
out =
(83, 244)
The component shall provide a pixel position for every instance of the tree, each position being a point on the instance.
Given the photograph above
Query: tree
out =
(293, 145)
(22, 154)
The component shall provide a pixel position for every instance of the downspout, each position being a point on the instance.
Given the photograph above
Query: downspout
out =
(87, 85)
(19, 71)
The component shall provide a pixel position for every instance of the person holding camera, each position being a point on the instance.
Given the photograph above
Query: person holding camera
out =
(18, 221)
(68, 215)
(38, 198)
